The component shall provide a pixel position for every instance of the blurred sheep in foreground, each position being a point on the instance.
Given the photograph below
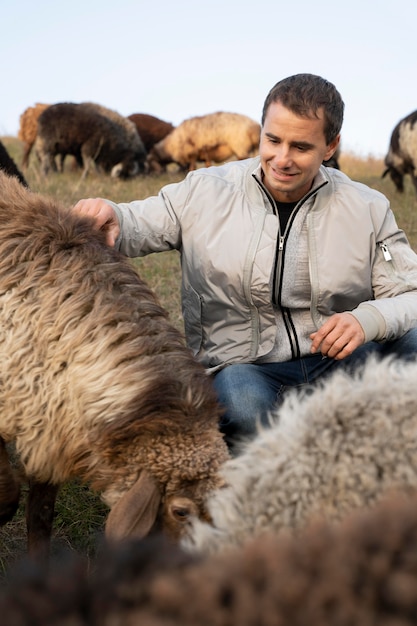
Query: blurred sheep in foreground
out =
(96, 383)
(362, 572)
(328, 450)
(215, 137)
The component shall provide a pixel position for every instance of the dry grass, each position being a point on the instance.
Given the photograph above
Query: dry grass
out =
(79, 513)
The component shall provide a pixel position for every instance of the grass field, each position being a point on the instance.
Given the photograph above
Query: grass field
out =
(80, 514)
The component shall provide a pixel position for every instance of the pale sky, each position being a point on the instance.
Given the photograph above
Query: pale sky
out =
(180, 58)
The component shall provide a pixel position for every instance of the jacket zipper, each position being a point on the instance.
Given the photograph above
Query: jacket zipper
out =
(279, 268)
(385, 251)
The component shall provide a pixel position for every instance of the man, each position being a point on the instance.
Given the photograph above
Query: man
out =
(289, 269)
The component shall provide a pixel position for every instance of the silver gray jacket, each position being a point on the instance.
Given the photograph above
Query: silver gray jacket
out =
(223, 222)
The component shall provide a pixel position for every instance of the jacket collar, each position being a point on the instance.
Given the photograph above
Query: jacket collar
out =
(323, 180)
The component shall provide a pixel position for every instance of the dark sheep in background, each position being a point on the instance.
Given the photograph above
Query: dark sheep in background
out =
(9, 167)
(97, 141)
(362, 572)
(133, 138)
(150, 128)
(401, 158)
(96, 383)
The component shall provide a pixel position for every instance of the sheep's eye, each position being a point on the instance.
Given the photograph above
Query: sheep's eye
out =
(181, 514)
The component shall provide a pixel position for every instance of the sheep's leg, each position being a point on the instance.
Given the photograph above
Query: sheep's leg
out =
(40, 509)
(414, 179)
(9, 487)
(27, 148)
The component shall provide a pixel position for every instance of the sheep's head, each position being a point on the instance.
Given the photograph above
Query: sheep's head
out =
(396, 177)
(143, 509)
(174, 490)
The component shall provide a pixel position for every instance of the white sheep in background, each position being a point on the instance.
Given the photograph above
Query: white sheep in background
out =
(328, 451)
(212, 137)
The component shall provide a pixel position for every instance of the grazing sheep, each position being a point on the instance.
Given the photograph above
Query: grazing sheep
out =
(8, 166)
(329, 450)
(361, 573)
(211, 138)
(151, 129)
(96, 383)
(130, 131)
(28, 129)
(401, 158)
(92, 138)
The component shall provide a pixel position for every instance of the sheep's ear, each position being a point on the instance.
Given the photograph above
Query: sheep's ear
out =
(135, 513)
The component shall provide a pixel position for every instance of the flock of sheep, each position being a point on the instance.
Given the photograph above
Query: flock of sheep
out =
(98, 137)
(315, 520)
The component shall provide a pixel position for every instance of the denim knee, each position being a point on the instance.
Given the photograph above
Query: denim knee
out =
(246, 398)
(403, 347)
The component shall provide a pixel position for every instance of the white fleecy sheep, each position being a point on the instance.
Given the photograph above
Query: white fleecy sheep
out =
(328, 451)
(214, 137)
(96, 383)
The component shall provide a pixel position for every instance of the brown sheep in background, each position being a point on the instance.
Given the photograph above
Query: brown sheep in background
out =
(210, 138)
(96, 383)
(151, 129)
(28, 129)
(360, 573)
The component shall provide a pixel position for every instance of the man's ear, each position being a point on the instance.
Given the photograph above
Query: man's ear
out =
(331, 148)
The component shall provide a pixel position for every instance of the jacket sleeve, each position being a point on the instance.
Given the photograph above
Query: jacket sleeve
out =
(153, 224)
(394, 278)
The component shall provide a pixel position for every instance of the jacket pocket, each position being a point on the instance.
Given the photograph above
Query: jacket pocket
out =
(192, 307)
(398, 262)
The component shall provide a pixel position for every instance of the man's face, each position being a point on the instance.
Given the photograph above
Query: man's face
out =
(292, 149)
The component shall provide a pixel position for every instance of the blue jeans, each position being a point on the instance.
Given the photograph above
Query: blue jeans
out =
(249, 391)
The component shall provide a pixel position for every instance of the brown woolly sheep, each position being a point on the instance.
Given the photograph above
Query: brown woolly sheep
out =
(95, 381)
(28, 129)
(8, 166)
(401, 157)
(360, 573)
(92, 138)
(211, 138)
(151, 129)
